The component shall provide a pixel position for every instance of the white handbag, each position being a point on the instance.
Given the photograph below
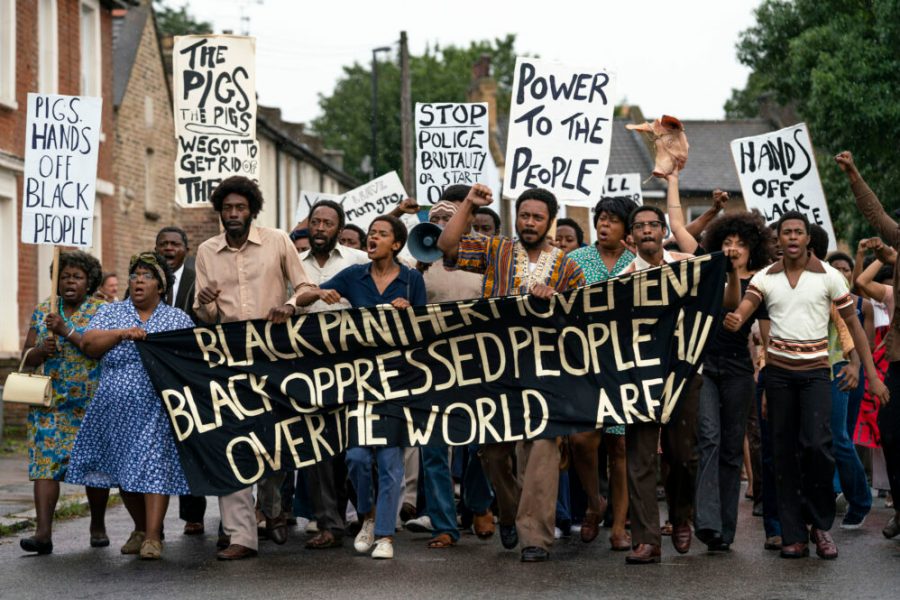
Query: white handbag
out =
(28, 388)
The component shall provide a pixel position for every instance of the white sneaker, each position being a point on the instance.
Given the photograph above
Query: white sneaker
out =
(420, 525)
(841, 505)
(384, 548)
(557, 533)
(312, 527)
(366, 537)
(302, 524)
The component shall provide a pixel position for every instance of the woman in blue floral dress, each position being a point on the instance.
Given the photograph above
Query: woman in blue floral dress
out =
(126, 438)
(54, 341)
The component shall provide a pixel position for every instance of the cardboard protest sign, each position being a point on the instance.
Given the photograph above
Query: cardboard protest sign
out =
(451, 147)
(624, 185)
(215, 113)
(560, 130)
(62, 141)
(307, 201)
(778, 173)
(378, 197)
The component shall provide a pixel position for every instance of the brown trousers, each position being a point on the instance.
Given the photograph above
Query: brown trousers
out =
(529, 500)
(679, 452)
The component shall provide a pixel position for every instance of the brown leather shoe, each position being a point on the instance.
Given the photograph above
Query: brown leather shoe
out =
(236, 552)
(483, 525)
(193, 528)
(643, 554)
(276, 529)
(681, 537)
(798, 550)
(620, 543)
(590, 527)
(825, 546)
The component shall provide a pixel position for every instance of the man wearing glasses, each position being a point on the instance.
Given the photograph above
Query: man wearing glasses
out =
(678, 438)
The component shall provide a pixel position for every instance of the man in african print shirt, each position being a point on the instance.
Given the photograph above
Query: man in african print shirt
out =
(529, 265)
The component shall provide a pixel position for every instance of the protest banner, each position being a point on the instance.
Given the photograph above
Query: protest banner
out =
(560, 130)
(624, 185)
(214, 81)
(378, 197)
(306, 202)
(451, 147)
(249, 398)
(778, 173)
(62, 142)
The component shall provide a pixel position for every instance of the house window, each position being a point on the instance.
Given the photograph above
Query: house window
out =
(48, 47)
(695, 212)
(9, 266)
(90, 48)
(8, 53)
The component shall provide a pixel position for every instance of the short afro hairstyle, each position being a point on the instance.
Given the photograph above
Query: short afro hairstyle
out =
(818, 241)
(173, 229)
(84, 261)
(359, 231)
(579, 232)
(456, 192)
(541, 195)
(484, 210)
(750, 227)
(836, 256)
(398, 228)
(790, 216)
(241, 186)
(620, 206)
(342, 218)
(647, 208)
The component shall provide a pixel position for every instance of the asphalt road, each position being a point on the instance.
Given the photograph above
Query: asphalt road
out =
(868, 567)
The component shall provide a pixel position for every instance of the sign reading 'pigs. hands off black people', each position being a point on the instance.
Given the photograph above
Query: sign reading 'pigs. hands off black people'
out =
(62, 142)
(249, 398)
(215, 113)
(560, 130)
(778, 173)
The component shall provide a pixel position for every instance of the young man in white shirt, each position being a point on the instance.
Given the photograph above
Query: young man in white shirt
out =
(799, 291)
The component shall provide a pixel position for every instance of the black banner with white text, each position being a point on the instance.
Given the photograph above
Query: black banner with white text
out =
(250, 398)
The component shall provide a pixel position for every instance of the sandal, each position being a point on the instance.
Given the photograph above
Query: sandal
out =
(440, 541)
(324, 540)
(151, 550)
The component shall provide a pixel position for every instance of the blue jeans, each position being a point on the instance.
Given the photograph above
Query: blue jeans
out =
(477, 493)
(771, 523)
(439, 501)
(390, 484)
(848, 467)
(563, 503)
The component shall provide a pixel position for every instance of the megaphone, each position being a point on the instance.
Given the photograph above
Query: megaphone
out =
(422, 242)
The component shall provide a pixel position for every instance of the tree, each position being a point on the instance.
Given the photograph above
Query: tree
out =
(177, 21)
(441, 74)
(838, 63)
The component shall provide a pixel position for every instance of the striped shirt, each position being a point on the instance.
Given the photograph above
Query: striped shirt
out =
(495, 258)
(798, 338)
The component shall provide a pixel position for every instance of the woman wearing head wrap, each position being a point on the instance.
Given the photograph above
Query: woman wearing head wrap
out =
(54, 342)
(126, 439)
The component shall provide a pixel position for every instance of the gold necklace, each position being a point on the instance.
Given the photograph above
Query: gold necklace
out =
(525, 280)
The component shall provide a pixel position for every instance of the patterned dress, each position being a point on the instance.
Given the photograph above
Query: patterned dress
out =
(52, 431)
(595, 271)
(126, 438)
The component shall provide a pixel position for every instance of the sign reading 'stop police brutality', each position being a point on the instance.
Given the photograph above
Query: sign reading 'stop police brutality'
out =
(451, 147)
(62, 140)
(778, 173)
(215, 113)
(560, 130)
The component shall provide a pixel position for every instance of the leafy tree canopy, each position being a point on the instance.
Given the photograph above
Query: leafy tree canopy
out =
(177, 21)
(838, 63)
(441, 74)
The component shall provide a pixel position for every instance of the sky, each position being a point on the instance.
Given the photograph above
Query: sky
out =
(669, 58)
